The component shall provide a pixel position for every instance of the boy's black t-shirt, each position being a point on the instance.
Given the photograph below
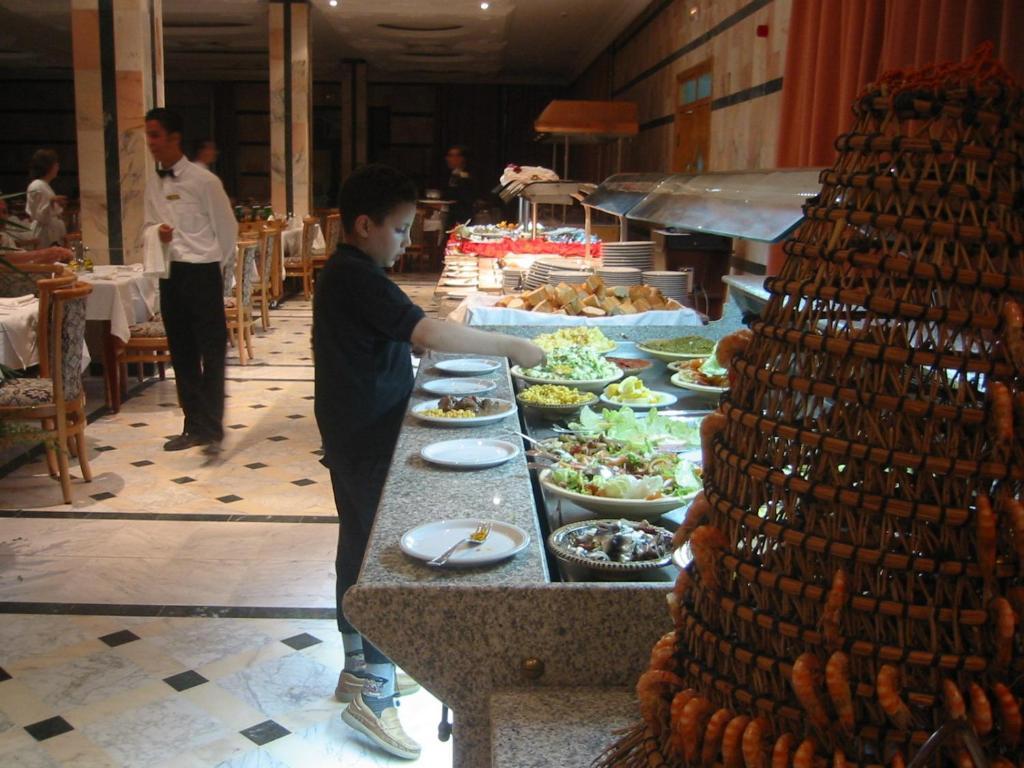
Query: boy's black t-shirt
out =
(362, 324)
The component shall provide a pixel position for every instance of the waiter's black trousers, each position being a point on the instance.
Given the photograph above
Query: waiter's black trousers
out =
(192, 304)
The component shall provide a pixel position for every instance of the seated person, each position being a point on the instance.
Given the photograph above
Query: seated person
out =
(11, 252)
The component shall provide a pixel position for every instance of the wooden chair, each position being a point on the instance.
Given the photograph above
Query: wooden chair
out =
(238, 306)
(23, 279)
(57, 398)
(270, 243)
(301, 266)
(147, 344)
(332, 233)
(416, 253)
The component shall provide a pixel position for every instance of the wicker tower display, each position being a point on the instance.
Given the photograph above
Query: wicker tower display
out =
(858, 552)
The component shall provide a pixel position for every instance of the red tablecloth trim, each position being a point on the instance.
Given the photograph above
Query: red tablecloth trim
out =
(500, 248)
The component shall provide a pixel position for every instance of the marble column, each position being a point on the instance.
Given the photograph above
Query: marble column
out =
(117, 48)
(291, 104)
(354, 116)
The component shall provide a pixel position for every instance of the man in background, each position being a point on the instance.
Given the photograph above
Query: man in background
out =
(204, 154)
(461, 188)
(187, 206)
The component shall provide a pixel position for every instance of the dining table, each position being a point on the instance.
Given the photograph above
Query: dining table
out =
(19, 344)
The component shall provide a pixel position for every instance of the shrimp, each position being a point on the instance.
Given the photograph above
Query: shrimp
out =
(675, 610)
(1009, 715)
(1001, 415)
(962, 759)
(731, 345)
(1005, 620)
(954, 700)
(1013, 325)
(1015, 511)
(806, 680)
(652, 700)
(710, 426)
(679, 702)
(705, 542)
(698, 512)
(839, 759)
(898, 761)
(663, 654)
(804, 756)
(981, 710)
(753, 743)
(986, 534)
(781, 749)
(837, 680)
(834, 601)
(732, 750)
(696, 712)
(713, 736)
(888, 690)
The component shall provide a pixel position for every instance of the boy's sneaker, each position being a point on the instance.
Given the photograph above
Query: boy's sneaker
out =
(385, 731)
(349, 684)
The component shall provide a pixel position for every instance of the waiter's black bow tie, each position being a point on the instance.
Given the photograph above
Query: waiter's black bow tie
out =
(164, 172)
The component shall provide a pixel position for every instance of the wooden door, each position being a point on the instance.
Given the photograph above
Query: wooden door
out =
(693, 120)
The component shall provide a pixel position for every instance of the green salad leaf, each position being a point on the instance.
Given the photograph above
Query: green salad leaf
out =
(639, 433)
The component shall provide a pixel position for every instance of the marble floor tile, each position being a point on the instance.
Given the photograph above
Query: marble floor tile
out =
(85, 680)
(154, 733)
(279, 686)
(41, 634)
(256, 758)
(200, 643)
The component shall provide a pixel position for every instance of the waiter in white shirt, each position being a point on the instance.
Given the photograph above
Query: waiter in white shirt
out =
(197, 228)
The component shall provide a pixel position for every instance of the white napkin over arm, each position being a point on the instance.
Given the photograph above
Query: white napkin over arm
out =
(156, 256)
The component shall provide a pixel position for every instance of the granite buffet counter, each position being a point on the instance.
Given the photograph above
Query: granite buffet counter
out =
(481, 639)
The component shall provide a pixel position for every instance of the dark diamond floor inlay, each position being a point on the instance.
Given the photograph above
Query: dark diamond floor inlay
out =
(183, 480)
(185, 680)
(143, 463)
(4, 675)
(256, 465)
(229, 499)
(115, 639)
(296, 416)
(303, 482)
(237, 426)
(273, 389)
(305, 640)
(47, 729)
(102, 496)
(277, 438)
(265, 732)
(257, 406)
(104, 448)
(139, 424)
(309, 397)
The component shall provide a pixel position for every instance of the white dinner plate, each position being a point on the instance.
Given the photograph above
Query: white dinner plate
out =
(467, 366)
(629, 509)
(474, 421)
(703, 389)
(469, 454)
(427, 541)
(664, 399)
(458, 387)
(459, 283)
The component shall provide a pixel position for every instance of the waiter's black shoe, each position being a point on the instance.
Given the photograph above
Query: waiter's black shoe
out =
(183, 441)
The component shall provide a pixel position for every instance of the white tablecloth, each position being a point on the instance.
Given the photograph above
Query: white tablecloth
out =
(19, 346)
(479, 309)
(121, 295)
(291, 240)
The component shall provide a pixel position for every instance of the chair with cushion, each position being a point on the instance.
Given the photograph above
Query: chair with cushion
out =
(56, 398)
(332, 233)
(147, 344)
(238, 306)
(270, 243)
(21, 279)
(301, 266)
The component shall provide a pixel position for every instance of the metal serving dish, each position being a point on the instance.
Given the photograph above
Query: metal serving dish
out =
(558, 543)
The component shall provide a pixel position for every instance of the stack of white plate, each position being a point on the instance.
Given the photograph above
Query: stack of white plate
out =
(541, 269)
(639, 254)
(512, 279)
(673, 285)
(572, 277)
(620, 275)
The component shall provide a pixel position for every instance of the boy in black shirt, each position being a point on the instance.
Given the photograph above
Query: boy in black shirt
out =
(362, 329)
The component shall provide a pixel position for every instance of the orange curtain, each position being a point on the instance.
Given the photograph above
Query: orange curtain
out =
(836, 47)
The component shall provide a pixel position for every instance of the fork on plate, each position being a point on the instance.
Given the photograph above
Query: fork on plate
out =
(476, 537)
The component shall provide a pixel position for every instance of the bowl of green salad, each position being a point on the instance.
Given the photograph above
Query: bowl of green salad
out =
(679, 348)
(573, 366)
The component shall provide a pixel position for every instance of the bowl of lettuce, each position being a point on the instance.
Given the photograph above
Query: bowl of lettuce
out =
(641, 431)
(573, 366)
(629, 496)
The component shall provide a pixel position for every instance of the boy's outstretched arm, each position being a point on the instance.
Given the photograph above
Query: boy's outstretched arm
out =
(452, 337)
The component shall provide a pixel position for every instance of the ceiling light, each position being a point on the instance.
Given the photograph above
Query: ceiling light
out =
(693, 11)
(484, 6)
(332, 3)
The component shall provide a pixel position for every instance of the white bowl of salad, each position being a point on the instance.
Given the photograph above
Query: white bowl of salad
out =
(573, 366)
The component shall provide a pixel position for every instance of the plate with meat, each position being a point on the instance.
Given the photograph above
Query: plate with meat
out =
(613, 545)
(470, 411)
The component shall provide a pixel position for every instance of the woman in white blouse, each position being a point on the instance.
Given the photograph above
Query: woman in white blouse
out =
(43, 205)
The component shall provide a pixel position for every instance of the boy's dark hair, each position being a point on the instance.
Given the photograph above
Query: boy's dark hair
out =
(42, 161)
(374, 190)
(170, 121)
